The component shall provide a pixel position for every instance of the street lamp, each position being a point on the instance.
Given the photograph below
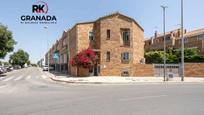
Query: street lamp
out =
(182, 44)
(48, 54)
(164, 29)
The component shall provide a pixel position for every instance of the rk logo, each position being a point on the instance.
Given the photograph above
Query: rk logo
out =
(40, 7)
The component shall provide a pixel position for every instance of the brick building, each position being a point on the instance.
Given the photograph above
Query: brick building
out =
(118, 41)
(59, 49)
(191, 39)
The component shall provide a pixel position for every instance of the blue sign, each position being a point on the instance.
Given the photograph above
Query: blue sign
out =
(55, 56)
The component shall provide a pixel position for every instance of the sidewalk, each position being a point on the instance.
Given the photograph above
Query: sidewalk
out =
(117, 79)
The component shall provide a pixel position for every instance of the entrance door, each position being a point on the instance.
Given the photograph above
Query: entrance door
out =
(96, 70)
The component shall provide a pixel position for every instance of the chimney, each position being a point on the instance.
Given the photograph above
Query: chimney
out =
(155, 34)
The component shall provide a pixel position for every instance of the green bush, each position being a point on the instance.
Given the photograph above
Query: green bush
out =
(174, 56)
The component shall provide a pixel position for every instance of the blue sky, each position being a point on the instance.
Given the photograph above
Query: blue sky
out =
(148, 13)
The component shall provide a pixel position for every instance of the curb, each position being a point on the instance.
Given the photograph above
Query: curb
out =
(52, 77)
(78, 82)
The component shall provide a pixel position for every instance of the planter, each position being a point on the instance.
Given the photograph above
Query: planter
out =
(83, 72)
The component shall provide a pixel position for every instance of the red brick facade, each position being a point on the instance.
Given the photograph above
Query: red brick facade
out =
(118, 41)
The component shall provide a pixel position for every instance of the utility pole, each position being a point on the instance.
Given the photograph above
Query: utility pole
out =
(182, 44)
(164, 29)
(48, 53)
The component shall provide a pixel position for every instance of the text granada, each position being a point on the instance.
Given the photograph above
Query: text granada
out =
(38, 18)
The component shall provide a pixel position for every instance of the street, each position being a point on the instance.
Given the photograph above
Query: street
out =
(29, 92)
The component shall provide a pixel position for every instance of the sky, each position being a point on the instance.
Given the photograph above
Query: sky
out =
(33, 37)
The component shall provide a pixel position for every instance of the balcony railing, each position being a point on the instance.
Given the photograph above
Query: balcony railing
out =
(126, 43)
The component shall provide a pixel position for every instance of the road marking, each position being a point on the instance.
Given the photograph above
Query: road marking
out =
(18, 78)
(43, 76)
(3, 86)
(28, 77)
(7, 79)
(143, 97)
(1, 78)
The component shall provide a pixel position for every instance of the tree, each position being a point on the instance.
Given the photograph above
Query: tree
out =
(6, 63)
(189, 54)
(198, 58)
(154, 57)
(6, 41)
(19, 58)
(174, 56)
(28, 62)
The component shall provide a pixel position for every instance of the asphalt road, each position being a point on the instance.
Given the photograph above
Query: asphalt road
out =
(29, 92)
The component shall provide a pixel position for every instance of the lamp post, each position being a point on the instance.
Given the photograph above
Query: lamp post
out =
(164, 29)
(182, 44)
(48, 54)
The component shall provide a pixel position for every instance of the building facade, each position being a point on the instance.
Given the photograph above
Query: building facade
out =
(192, 39)
(58, 54)
(117, 40)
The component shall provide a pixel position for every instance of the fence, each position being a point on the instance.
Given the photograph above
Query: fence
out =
(173, 69)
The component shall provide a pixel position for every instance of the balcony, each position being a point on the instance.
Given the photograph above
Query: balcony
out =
(126, 43)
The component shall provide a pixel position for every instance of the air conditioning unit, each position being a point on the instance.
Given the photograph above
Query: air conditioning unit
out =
(142, 61)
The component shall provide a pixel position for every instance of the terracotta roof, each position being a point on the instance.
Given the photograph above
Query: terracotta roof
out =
(194, 32)
(161, 34)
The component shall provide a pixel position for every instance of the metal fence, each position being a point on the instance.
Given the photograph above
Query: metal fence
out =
(171, 69)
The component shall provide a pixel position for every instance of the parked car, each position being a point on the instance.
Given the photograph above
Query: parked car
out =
(16, 67)
(45, 68)
(3, 69)
(10, 68)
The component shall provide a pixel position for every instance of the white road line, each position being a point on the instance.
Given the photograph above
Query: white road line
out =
(9, 78)
(18, 78)
(3, 86)
(1, 78)
(143, 97)
(28, 77)
(43, 76)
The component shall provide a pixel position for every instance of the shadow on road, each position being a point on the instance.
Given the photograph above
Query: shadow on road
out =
(59, 73)
(2, 75)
